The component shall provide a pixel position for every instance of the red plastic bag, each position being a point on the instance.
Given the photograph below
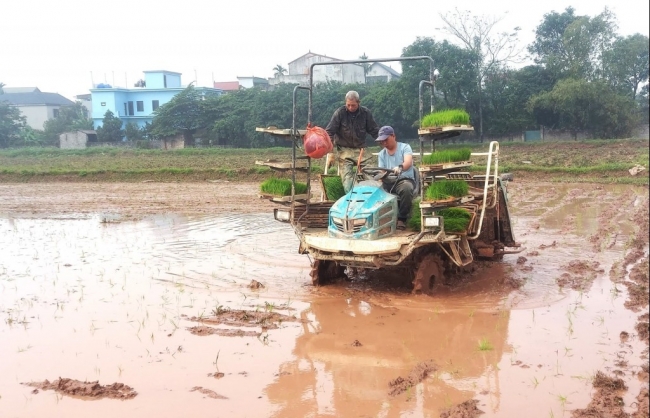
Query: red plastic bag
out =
(317, 142)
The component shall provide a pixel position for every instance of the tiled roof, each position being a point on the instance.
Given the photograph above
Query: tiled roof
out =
(23, 99)
(21, 89)
(387, 68)
(226, 85)
(313, 54)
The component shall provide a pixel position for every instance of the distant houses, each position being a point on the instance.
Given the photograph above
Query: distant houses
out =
(36, 106)
(298, 72)
(136, 105)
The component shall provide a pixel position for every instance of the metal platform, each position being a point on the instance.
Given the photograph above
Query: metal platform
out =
(280, 166)
(285, 133)
(441, 130)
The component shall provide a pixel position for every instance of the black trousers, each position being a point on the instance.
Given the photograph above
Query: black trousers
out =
(403, 189)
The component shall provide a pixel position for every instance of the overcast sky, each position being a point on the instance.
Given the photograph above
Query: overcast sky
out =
(56, 45)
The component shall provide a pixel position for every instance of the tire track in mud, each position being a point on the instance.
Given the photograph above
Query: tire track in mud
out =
(633, 273)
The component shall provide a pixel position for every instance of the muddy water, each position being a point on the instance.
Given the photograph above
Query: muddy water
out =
(87, 298)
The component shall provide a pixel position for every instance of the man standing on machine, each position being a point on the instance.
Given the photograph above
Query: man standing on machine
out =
(348, 128)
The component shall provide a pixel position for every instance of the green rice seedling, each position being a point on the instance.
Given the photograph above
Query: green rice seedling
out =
(414, 222)
(484, 345)
(444, 189)
(455, 225)
(447, 156)
(281, 187)
(445, 117)
(333, 188)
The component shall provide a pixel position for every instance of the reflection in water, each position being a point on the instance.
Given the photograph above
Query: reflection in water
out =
(353, 348)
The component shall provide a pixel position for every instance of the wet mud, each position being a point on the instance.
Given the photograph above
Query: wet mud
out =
(207, 392)
(467, 409)
(607, 401)
(85, 390)
(419, 373)
(201, 302)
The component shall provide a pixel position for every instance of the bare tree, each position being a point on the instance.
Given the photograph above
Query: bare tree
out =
(492, 49)
(366, 66)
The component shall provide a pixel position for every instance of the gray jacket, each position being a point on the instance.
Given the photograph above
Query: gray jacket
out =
(350, 129)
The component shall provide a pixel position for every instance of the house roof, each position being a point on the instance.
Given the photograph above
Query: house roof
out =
(37, 98)
(162, 71)
(21, 90)
(387, 68)
(313, 54)
(255, 79)
(226, 85)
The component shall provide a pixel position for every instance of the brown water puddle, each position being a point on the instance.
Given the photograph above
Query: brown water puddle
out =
(139, 302)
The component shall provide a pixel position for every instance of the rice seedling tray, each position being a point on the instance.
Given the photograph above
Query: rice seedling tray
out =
(445, 166)
(433, 130)
(283, 199)
(452, 201)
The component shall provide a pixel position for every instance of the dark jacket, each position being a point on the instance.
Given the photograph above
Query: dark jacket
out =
(350, 129)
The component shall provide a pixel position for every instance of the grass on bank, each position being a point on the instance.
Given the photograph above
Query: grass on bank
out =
(605, 161)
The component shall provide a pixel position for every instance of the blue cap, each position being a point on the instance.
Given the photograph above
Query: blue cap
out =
(384, 133)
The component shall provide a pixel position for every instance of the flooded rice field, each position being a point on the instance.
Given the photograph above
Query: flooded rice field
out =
(111, 305)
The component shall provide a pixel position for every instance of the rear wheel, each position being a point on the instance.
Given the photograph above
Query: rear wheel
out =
(428, 273)
(325, 272)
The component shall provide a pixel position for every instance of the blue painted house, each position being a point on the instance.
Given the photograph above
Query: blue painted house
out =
(137, 104)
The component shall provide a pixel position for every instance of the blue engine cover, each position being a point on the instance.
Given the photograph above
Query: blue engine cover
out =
(367, 212)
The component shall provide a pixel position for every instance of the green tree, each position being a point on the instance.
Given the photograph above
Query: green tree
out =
(11, 124)
(584, 106)
(70, 118)
(111, 129)
(574, 46)
(456, 84)
(507, 92)
(31, 137)
(133, 132)
(477, 35)
(184, 114)
(627, 63)
(279, 70)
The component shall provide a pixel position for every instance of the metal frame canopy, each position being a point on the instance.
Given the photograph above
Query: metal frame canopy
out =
(294, 131)
(430, 82)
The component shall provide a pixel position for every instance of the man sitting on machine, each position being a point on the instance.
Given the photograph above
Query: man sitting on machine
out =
(398, 157)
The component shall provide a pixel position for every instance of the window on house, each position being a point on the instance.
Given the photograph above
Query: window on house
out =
(125, 110)
(139, 106)
(55, 113)
(155, 104)
(165, 81)
(130, 108)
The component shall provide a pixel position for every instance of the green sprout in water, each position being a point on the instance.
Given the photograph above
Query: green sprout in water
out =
(484, 345)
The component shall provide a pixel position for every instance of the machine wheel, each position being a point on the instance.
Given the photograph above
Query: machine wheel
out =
(324, 272)
(429, 272)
